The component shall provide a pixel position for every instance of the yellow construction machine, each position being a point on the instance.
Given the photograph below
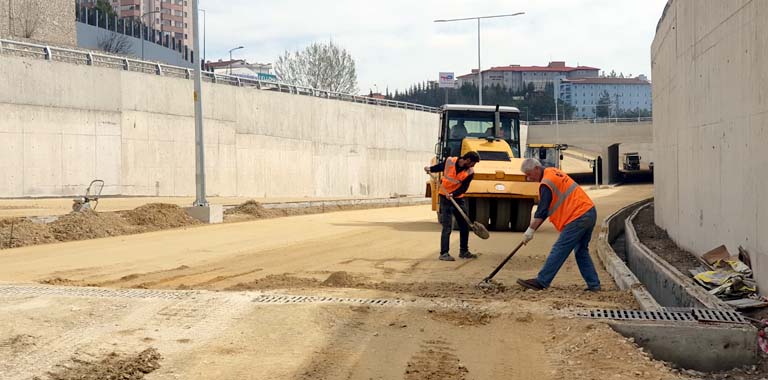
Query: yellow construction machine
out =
(499, 196)
(550, 155)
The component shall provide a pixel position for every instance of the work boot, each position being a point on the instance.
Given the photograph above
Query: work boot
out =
(532, 284)
(467, 255)
(595, 289)
(446, 257)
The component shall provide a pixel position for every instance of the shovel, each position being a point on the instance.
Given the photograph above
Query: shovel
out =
(487, 283)
(477, 227)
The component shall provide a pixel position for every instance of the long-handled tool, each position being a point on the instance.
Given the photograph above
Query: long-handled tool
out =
(487, 281)
(477, 227)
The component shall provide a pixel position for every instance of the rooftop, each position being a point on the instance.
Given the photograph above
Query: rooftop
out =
(603, 80)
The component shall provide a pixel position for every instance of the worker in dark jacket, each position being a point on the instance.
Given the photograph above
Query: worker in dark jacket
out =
(457, 174)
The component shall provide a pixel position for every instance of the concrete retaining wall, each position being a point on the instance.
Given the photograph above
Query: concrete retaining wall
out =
(64, 125)
(710, 97)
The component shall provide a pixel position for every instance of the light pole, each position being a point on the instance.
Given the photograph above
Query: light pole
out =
(205, 32)
(230, 57)
(200, 200)
(479, 67)
(142, 31)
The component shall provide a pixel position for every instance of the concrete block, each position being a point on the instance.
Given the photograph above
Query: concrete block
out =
(711, 347)
(212, 214)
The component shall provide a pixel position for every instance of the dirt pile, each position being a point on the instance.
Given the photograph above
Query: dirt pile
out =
(435, 361)
(590, 350)
(20, 232)
(659, 242)
(159, 216)
(340, 280)
(252, 208)
(276, 281)
(112, 367)
(565, 297)
(462, 317)
(89, 224)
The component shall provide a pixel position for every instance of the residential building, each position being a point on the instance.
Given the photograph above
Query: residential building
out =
(517, 78)
(241, 68)
(625, 94)
(173, 20)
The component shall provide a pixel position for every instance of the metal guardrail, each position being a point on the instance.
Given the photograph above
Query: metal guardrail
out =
(605, 120)
(90, 58)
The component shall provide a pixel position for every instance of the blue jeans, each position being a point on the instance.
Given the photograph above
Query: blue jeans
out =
(447, 213)
(574, 237)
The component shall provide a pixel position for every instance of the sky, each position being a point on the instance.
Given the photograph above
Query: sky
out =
(396, 43)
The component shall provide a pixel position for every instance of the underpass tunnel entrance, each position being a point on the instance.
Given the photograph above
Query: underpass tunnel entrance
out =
(611, 168)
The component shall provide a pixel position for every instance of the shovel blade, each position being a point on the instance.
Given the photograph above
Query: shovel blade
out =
(480, 230)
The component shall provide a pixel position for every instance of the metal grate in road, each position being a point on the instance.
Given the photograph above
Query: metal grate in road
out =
(638, 315)
(293, 299)
(676, 315)
(708, 315)
(68, 291)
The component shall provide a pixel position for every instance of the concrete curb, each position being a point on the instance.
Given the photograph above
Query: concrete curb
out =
(389, 202)
(668, 285)
(611, 227)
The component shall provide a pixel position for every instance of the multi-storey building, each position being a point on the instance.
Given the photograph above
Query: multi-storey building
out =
(624, 94)
(518, 78)
(173, 18)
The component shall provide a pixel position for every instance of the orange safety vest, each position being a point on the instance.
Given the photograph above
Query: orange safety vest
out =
(451, 178)
(569, 201)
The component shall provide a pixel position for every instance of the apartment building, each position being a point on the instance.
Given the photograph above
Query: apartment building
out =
(172, 17)
(625, 94)
(517, 77)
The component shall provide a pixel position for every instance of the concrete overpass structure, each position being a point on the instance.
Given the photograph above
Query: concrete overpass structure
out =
(603, 139)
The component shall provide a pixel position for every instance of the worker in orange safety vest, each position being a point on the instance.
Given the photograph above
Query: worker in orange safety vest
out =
(572, 213)
(457, 174)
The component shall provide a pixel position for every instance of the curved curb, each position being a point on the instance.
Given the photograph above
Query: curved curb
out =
(611, 227)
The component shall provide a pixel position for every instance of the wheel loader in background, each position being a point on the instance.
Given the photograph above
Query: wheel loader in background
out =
(499, 196)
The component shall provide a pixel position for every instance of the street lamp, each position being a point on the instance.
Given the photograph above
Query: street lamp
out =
(200, 200)
(205, 32)
(142, 31)
(479, 70)
(230, 57)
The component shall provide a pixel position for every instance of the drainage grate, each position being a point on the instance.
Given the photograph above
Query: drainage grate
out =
(674, 315)
(292, 299)
(21, 290)
(708, 315)
(639, 315)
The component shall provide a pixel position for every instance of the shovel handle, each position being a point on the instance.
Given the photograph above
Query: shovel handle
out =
(498, 268)
(461, 211)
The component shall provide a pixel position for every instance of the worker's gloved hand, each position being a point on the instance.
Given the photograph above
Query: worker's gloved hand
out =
(426, 169)
(528, 236)
(449, 196)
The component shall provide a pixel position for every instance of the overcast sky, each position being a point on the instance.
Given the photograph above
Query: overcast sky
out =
(396, 43)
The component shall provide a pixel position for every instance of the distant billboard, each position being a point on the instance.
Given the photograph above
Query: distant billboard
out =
(447, 80)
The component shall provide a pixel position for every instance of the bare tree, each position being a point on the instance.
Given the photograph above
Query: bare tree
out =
(323, 66)
(114, 43)
(30, 17)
